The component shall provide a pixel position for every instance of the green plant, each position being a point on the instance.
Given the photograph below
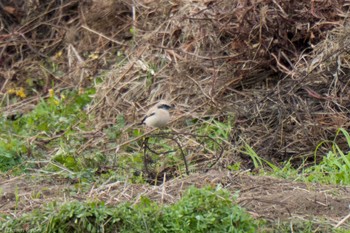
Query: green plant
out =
(308, 226)
(200, 210)
(217, 130)
(334, 167)
(206, 210)
(11, 150)
(16, 197)
(258, 161)
(52, 116)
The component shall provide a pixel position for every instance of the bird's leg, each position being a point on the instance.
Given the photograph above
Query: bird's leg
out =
(145, 155)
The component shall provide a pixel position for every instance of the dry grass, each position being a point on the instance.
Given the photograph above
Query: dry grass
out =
(264, 197)
(253, 61)
(272, 64)
(280, 68)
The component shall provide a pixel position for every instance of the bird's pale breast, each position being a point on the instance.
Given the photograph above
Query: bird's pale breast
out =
(159, 119)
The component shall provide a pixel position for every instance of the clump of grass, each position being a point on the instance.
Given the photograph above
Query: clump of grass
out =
(258, 162)
(200, 210)
(10, 151)
(218, 130)
(333, 169)
(308, 226)
(206, 210)
(52, 116)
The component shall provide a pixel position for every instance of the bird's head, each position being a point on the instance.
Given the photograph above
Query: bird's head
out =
(164, 105)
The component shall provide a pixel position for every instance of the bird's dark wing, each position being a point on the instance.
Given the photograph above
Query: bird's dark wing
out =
(143, 120)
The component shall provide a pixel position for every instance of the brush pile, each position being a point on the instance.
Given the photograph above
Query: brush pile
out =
(279, 67)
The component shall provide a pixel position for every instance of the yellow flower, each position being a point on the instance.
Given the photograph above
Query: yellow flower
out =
(58, 54)
(17, 91)
(93, 56)
(11, 91)
(20, 92)
(51, 93)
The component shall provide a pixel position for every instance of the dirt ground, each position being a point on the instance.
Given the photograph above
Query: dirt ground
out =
(264, 197)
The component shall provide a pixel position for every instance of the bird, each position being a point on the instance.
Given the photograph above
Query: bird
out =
(158, 116)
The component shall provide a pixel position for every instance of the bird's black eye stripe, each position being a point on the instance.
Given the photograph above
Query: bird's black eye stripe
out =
(165, 106)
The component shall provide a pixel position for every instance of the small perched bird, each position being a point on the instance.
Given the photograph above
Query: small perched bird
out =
(158, 116)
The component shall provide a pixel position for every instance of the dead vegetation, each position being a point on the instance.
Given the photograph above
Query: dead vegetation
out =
(279, 67)
(264, 197)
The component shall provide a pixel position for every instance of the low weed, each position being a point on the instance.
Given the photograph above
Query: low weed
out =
(206, 210)
(309, 226)
(218, 130)
(334, 167)
(259, 163)
(30, 135)
(200, 210)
